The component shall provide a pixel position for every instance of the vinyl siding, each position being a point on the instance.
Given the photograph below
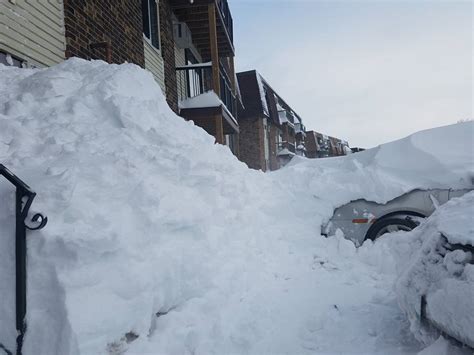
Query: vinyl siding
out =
(180, 60)
(33, 31)
(154, 63)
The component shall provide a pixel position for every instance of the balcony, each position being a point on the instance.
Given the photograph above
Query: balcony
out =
(286, 117)
(288, 147)
(198, 19)
(198, 78)
(212, 111)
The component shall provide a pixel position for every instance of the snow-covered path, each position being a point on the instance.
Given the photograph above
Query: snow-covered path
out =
(323, 298)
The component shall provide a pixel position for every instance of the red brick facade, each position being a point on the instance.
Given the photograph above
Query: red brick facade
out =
(93, 21)
(251, 144)
(274, 133)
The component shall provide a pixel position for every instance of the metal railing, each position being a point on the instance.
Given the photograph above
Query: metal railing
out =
(286, 145)
(224, 10)
(24, 198)
(227, 93)
(197, 79)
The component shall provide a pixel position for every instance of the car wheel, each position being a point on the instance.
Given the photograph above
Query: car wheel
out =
(391, 225)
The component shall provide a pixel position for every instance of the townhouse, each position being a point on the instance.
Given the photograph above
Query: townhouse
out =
(186, 45)
(271, 132)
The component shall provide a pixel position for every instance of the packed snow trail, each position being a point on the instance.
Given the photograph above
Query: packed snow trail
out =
(161, 242)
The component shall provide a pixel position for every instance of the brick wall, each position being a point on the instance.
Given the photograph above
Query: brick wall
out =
(167, 50)
(251, 145)
(310, 143)
(274, 133)
(92, 21)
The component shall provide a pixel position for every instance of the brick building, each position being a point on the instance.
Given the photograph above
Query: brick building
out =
(95, 29)
(319, 145)
(207, 90)
(187, 46)
(271, 133)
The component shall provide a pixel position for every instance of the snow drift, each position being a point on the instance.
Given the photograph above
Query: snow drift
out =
(160, 241)
(436, 158)
(441, 269)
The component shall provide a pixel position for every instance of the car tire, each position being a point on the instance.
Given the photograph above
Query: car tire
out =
(389, 225)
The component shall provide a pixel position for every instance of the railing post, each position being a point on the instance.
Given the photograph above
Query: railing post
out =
(214, 49)
(23, 199)
(20, 265)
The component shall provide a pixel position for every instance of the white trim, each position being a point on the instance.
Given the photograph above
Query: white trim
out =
(157, 50)
(157, 2)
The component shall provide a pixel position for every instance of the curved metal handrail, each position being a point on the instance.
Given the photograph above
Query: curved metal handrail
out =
(24, 199)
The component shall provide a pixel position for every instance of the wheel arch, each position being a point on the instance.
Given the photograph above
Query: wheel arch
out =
(392, 214)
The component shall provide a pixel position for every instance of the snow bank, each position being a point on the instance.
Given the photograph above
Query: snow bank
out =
(137, 200)
(443, 273)
(436, 158)
(161, 242)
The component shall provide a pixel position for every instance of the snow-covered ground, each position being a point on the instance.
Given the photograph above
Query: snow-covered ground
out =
(161, 242)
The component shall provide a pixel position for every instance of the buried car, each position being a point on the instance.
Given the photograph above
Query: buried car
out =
(436, 287)
(361, 219)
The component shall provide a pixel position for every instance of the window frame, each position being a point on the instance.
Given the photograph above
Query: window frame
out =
(157, 45)
(17, 61)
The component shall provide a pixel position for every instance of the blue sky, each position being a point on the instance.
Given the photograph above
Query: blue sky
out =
(365, 71)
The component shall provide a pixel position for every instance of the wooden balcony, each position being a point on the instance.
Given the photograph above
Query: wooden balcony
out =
(199, 20)
(198, 79)
(213, 110)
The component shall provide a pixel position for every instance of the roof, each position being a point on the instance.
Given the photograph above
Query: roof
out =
(260, 99)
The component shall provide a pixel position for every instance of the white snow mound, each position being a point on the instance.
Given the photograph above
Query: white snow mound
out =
(441, 269)
(156, 232)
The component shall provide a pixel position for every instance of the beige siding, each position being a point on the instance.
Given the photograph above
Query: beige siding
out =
(154, 63)
(180, 60)
(33, 30)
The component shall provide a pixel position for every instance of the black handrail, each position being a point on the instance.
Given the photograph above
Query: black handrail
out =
(224, 10)
(198, 80)
(23, 201)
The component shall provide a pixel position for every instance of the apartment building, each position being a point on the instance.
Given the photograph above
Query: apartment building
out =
(319, 145)
(207, 90)
(186, 45)
(271, 133)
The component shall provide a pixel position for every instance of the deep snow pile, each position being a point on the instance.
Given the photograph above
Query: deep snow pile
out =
(436, 158)
(158, 233)
(441, 268)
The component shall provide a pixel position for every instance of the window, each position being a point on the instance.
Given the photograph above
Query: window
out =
(9, 60)
(151, 22)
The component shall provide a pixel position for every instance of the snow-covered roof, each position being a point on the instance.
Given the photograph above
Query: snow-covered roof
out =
(262, 94)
